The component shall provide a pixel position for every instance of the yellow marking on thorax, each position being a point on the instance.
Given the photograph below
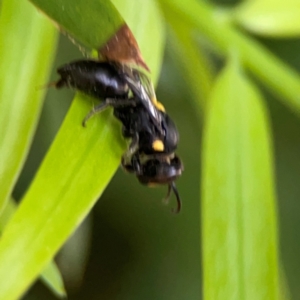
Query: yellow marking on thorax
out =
(158, 146)
(158, 105)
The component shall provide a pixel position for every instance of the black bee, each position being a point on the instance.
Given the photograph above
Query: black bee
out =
(153, 134)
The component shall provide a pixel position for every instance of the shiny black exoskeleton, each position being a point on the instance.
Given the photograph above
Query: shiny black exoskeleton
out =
(137, 125)
(152, 171)
(97, 79)
(153, 134)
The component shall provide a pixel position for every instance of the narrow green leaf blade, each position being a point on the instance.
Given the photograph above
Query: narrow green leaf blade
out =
(270, 18)
(190, 59)
(284, 292)
(188, 55)
(22, 70)
(75, 172)
(51, 275)
(91, 22)
(8, 211)
(52, 278)
(239, 214)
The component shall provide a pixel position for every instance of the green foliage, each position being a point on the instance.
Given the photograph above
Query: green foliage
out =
(252, 55)
(238, 208)
(20, 101)
(82, 20)
(270, 17)
(50, 275)
(239, 221)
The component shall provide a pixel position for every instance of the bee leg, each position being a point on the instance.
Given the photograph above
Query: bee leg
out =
(133, 166)
(114, 102)
(128, 167)
(127, 157)
(134, 145)
(136, 165)
(96, 110)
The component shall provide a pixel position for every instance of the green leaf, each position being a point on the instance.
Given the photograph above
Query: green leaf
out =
(190, 59)
(74, 173)
(284, 292)
(51, 275)
(22, 70)
(71, 17)
(76, 170)
(270, 18)
(239, 212)
(52, 278)
(225, 39)
(91, 22)
(8, 211)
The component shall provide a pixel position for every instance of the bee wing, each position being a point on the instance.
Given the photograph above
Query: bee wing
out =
(143, 89)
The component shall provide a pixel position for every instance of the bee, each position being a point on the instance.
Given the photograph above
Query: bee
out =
(154, 136)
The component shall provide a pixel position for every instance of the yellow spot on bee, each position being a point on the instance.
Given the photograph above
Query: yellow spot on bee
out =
(158, 105)
(158, 145)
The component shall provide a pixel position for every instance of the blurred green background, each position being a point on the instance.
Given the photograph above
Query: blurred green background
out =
(133, 247)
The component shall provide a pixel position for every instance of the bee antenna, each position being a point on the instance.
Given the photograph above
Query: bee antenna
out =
(46, 86)
(172, 187)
